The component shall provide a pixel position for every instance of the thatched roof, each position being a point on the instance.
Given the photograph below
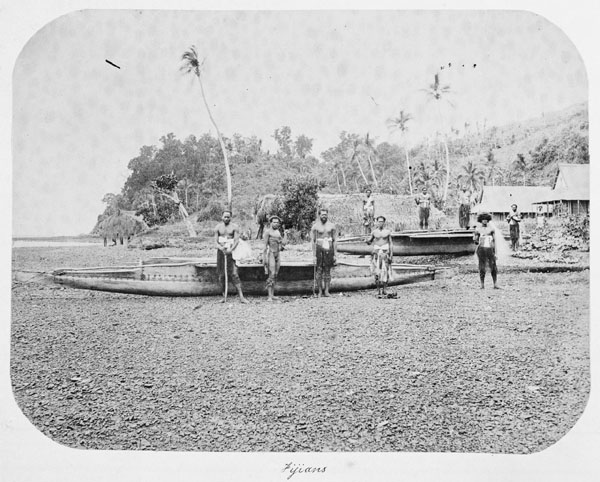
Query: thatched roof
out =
(498, 199)
(345, 210)
(120, 225)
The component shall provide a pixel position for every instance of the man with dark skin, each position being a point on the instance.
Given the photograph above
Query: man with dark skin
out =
(274, 243)
(227, 237)
(368, 211)
(423, 200)
(513, 219)
(485, 237)
(324, 237)
(382, 256)
(464, 211)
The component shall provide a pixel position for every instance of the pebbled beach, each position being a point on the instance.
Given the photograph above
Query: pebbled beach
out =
(443, 367)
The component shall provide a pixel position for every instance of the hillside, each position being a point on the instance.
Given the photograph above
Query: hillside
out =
(524, 153)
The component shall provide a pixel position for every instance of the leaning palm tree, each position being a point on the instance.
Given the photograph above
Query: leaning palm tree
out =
(399, 124)
(438, 93)
(370, 150)
(191, 64)
(354, 155)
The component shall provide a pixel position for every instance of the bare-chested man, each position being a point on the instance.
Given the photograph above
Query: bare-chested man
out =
(423, 200)
(464, 210)
(323, 234)
(274, 243)
(485, 237)
(227, 236)
(368, 211)
(382, 256)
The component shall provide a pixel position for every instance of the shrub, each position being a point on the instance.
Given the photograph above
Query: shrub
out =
(300, 202)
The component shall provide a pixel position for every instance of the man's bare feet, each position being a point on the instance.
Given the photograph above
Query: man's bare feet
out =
(244, 300)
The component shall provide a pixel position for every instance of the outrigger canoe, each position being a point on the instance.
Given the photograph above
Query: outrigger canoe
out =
(416, 243)
(198, 277)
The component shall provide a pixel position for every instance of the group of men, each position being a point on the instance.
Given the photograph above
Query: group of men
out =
(324, 245)
(324, 251)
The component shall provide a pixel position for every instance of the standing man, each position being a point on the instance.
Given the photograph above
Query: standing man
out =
(274, 243)
(382, 255)
(227, 236)
(464, 211)
(323, 235)
(423, 200)
(368, 211)
(485, 237)
(513, 219)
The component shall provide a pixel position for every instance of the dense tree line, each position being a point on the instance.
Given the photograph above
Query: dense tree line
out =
(466, 156)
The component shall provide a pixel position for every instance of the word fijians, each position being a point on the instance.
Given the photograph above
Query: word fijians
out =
(300, 469)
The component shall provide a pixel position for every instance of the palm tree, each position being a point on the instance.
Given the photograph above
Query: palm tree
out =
(399, 124)
(492, 162)
(472, 174)
(354, 155)
(520, 166)
(369, 149)
(191, 64)
(438, 92)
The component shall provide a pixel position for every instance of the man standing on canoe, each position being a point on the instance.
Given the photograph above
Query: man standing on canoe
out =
(323, 235)
(423, 200)
(274, 243)
(227, 236)
(485, 237)
(382, 255)
(464, 211)
(368, 211)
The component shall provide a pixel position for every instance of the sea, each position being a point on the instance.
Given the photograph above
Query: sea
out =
(55, 242)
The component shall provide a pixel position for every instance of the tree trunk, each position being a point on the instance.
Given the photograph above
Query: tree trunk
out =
(337, 179)
(447, 170)
(222, 144)
(344, 178)
(354, 156)
(408, 171)
(184, 214)
(372, 170)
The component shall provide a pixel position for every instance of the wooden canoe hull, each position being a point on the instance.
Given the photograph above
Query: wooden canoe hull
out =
(197, 277)
(416, 243)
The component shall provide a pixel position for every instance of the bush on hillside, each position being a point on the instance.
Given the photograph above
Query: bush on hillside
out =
(300, 202)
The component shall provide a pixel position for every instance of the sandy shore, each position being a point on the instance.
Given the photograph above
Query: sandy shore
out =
(444, 367)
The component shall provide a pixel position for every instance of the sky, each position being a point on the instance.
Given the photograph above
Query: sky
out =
(78, 120)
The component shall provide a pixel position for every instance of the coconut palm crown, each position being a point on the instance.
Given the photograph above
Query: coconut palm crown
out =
(191, 64)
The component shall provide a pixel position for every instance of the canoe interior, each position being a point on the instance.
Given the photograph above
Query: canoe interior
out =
(417, 243)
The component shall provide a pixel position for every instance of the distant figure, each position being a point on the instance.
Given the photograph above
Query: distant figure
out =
(423, 200)
(227, 236)
(323, 235)
(274, 243)
(464, 211)
(485, 237)
(368, 211)
(513, 219)
(382, 255)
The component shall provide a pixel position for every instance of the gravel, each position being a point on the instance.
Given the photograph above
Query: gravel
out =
(443, 367)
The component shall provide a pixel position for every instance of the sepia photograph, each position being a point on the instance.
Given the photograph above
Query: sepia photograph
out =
(310, 233)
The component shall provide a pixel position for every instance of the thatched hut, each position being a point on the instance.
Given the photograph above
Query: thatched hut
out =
(346, 211)
(118, 226)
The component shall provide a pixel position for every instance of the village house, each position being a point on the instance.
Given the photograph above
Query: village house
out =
(570, 194)
(497, 200)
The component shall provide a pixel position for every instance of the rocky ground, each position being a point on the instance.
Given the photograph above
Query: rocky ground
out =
(444, 367)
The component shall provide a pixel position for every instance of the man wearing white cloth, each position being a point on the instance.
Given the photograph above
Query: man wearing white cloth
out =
(227, 237)
(382, 255)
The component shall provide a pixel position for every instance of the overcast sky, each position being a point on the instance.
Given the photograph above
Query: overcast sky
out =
(77, 120)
